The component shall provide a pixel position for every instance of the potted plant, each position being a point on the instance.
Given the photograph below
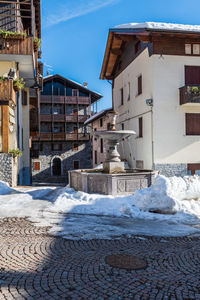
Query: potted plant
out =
(18, 84)
(16, 153)
(12, 34)
(37, 44)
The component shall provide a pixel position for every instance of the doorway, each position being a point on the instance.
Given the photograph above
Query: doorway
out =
(56, 167)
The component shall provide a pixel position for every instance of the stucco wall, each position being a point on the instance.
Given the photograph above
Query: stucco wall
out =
(164, 142)
(171, 145)
(136, 148)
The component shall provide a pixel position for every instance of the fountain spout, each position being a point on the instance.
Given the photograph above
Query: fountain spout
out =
(113, 163)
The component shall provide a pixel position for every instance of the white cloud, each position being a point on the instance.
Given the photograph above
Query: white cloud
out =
(74, 9)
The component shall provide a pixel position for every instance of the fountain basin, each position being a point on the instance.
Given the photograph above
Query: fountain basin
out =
(96, 182)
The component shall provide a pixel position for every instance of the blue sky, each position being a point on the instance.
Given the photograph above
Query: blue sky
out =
(74, 33)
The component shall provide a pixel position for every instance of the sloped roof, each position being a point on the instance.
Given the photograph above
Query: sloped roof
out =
(97, 116)
(94, 94)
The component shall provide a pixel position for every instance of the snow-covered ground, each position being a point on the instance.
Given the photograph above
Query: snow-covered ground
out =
(170, 207)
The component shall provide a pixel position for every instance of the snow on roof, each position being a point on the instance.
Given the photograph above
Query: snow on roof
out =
(97, 115)
(160, 26)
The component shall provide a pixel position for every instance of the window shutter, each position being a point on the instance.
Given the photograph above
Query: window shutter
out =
(192, 124)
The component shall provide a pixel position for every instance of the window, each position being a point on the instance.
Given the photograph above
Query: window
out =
(129, 91)
(101, 145)
(188, 49)
(192, 75)
(56, 166)
(101, 122)
(193, 169)
(37, 166)
(76, 164)
(75, 93)
(140, 85)
(121, 94)
(95, 157)
(122, 126)
(192, 49)
(75, 111)
(140, 127)
(192, 122)
(75, 147)
(139, 164)
(41, 147)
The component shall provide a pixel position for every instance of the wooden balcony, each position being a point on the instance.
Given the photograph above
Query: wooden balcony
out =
(64, 99)
(77, 136)
(76, 118)
(45, 118)
(45, 136)
(7, 92)
(15, 46)
(45, 99)
(58, 117)
(60, 136)
(190, 95)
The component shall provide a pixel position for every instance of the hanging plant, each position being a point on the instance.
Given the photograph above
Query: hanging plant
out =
(19, 84)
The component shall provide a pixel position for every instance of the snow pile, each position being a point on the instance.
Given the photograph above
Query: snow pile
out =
(170, 195)
(71, 201)
(160, 26)
(5, 188)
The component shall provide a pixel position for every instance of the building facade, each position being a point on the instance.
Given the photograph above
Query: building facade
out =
(99, 122)
(62, 142)
(19, 54)
(155, 70)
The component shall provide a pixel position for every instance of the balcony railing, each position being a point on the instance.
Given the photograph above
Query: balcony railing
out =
(45, 118)
(65, 99)
(16, 46)
(63, 118)
(190, 94)
(7, 92)
(60, 136)
(77, 136)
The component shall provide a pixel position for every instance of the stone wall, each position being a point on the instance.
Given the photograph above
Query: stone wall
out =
(8, 169)
(171, 169)
(68, 155)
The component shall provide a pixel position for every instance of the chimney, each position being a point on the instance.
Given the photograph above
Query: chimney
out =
(85, 84)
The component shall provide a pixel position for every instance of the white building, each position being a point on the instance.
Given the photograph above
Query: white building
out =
(155, 70)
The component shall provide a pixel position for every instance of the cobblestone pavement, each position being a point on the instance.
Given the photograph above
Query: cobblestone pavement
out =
(34, 265)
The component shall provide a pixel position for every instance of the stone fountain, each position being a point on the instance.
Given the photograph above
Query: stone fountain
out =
(113, 178)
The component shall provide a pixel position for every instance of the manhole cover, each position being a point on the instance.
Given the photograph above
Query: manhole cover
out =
(124, 261)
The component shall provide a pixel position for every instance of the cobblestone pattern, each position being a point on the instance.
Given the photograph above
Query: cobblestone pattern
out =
(170, 170)
(8, 169)
(34, 265)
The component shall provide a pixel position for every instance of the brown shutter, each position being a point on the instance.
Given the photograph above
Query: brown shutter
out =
(192, 124)
(192, 74)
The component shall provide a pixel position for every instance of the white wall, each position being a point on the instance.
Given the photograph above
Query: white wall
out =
(171, 145)
(136, 148)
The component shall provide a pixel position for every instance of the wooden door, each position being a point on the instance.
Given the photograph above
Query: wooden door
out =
(75, 129)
